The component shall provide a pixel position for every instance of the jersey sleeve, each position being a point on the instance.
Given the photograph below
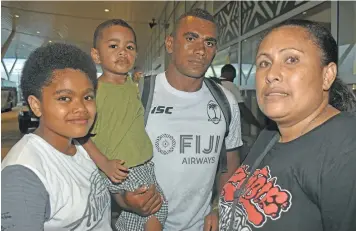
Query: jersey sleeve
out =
(234, 89)
(236, 92)
(239, 97)
(24, 200)
(338, 193)
(234, 138)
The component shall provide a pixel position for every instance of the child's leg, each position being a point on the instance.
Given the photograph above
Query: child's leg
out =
(153, 224)
(157, 220)
(140, 176)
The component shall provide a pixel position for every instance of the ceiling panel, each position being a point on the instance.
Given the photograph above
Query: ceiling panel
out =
(71, 22)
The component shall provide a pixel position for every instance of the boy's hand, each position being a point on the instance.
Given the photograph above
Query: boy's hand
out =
(115, 170)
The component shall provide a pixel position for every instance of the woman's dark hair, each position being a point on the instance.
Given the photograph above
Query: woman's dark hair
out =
(340, 96)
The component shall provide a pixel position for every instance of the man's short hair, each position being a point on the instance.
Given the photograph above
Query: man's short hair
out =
(197, 13)
(109, 23)
(228, 68)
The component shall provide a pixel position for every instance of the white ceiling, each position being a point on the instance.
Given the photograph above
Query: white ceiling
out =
(72, 22)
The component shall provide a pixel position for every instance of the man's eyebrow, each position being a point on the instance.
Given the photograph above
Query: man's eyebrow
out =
(195, 35)
(211, 39)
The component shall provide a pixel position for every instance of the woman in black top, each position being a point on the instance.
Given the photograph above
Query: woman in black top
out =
(300, 175)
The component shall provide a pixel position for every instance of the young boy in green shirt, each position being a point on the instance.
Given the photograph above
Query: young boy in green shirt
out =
(118, 136)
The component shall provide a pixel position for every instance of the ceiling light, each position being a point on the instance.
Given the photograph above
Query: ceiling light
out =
(17, 16)
(50, 41)
(304, 12)
(106, 10)
(38, 32)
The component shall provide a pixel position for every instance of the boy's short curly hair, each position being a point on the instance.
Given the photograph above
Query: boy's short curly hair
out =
(109, 23)
(39, 67)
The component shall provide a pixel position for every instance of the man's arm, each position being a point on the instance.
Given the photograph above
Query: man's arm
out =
(143, 201)
(211, 222)
(233, 162)
(24, 200)
(233, 141)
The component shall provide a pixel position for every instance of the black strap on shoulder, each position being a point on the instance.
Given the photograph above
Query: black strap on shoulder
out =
(145, 90)
(224, 105)
(241, 190)
(146, 87)
(221, 99)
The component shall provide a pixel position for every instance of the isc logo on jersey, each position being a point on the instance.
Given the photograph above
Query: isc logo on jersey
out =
(162, 110)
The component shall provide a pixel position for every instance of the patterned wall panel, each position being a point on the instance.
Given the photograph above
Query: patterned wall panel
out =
(227, 20)
(256, 13)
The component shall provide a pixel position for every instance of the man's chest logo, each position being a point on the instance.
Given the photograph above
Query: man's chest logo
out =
(214, 112)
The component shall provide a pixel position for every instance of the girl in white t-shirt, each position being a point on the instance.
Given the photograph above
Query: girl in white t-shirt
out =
(48, 181)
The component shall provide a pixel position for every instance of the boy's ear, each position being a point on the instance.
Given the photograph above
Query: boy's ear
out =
(95, 55)
(35, 105)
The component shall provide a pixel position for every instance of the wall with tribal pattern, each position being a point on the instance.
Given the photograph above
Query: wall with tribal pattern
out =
(253, 15)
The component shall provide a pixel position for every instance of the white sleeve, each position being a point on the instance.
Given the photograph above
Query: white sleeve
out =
(234, 89)
(234, 138)
(237, 94)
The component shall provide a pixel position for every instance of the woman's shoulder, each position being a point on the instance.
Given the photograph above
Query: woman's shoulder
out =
(340, 133)
(346, 119)
(340, 127)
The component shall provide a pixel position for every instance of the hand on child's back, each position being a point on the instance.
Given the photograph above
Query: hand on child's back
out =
(116, 171)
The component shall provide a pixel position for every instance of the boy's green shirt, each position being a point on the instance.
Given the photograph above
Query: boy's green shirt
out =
(119, 127)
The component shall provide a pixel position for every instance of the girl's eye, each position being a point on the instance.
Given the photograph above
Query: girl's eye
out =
(64, 98)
